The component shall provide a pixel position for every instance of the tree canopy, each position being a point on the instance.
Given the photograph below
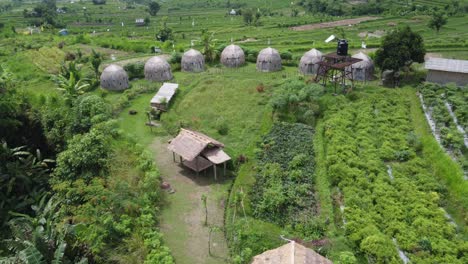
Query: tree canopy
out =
(438, 20)
(153, 8)
(400, 48)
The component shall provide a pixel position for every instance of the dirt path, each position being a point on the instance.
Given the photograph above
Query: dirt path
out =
(338, 23)
(183, 217)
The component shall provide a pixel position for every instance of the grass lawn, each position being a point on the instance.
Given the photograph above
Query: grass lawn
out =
(208, 101)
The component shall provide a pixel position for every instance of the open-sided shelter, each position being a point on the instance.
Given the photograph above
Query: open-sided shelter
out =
(364, 69)
(444, 71)
(197, 151)
(114, 78)
(232, 56)
(164, 95)
(158, 69)
(269, 60)
(308, 64)
(193, 61)
(291, 253)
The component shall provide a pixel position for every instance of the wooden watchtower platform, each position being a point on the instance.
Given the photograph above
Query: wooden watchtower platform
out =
(336, 69)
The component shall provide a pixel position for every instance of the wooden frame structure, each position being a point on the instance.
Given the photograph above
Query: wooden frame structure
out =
(198, 152)
(336, 69)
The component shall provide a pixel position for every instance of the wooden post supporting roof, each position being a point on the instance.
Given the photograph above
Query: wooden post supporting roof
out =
(214, 168)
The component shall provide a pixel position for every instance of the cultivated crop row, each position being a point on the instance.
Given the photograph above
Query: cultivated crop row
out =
(390, 200)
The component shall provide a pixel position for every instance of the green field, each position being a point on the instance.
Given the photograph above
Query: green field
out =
(358, 177)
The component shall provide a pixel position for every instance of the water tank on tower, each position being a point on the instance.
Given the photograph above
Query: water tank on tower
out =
(342, 48)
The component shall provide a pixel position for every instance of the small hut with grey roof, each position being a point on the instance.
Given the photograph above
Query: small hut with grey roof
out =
(308, 64)
(193, 61)
(269, 60)
(232, 56)
(364, 69)
(114, 78)
(444, 71)
(198, 151)
(291, 253)
(157, 69)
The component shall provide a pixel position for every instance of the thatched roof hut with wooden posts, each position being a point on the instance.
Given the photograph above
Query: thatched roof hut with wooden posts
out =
(364, 69)
(232, 56)
(308, 64)
(291, 253)
(158, 70)
(197, 151)
(269, 60)
(114, 78)
(193, 61)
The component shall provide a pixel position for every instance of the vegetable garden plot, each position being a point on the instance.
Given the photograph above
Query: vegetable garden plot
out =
(283, 192)
(449, 106)
(362, 138)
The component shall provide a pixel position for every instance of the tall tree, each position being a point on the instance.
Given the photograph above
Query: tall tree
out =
(437, 21)
(153, 8)
(400, 48)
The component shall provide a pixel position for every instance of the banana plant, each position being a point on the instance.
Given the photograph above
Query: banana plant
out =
(71, 87)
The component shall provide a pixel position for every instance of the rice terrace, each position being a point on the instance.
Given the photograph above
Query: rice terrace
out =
(234, 131)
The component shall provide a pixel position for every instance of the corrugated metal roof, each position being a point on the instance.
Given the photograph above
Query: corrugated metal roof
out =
(448, 65)
(165, 93)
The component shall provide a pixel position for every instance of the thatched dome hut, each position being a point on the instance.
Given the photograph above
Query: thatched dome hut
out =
(269, 60)
(308, 64)
(193, 61)
(232, 56)
(157, 69)
(363, 70)
(114, 78)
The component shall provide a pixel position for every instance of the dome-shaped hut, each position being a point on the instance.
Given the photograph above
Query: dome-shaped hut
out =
(193, 61)
(308, 64)
(363, 70)
(232, 56)
(114, 78)
(269, 60)
(157, 69)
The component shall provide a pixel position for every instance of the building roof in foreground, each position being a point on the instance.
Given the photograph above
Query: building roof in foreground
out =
(291, 253)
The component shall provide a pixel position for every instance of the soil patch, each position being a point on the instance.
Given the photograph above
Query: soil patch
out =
(338, 23)
(183, 216)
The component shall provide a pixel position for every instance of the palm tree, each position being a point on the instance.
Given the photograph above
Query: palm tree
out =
(208, 43)
(71, 87)
(23, 178)
(39, 239)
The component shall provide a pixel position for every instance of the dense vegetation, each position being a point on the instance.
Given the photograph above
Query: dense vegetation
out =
(448, 106)
(384, 184)
(358, 178)
(98, 193)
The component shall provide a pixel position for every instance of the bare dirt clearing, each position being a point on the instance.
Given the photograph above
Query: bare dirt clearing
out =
(183, 217)
(338, 23)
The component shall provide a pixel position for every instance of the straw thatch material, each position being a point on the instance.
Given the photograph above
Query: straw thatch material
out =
(291, 253)
(189, 144)
(269, 60)
(193, 61)
(363, 70)
(158, 69)
(114, 78)
(232, 56)
(308, 64)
